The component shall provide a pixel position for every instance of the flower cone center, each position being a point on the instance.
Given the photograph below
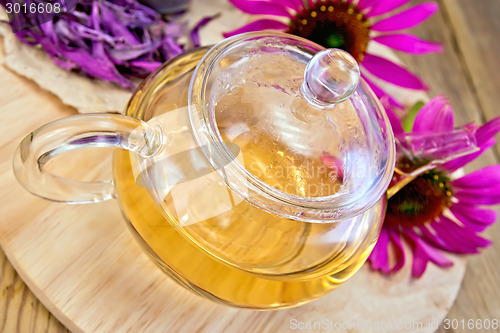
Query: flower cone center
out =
(419, 202)
(333, 24)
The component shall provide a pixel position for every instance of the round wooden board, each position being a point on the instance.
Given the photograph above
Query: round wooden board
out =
(85, 266)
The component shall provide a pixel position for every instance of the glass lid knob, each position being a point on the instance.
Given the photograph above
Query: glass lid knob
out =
(331, 76)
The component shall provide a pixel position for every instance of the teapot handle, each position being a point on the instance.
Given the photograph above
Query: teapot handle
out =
(78, 132)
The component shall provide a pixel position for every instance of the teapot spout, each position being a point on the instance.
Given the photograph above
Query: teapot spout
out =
(428, 150)
(420, 152)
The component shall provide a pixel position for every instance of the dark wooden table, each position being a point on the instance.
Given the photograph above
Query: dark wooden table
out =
(467, 73)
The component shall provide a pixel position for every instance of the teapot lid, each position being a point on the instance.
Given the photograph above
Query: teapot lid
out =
(314, 141)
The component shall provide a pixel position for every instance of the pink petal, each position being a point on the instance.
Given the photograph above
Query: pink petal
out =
(408, 18)
(257, 7)
(474, 218)
(442, 237)
(385, 6)
(379, 258)
(262, 24)
(485, 196)
(433, 238)
(444, 121)
(390, 72)
(366, 4)
(488, 131)
(434, 115)
(485, 177)
(470, 236)
(408, 43)
(399, 253)
(194, 34)
(423, 253)
(463, 240)
(292, 4)
(380, 93)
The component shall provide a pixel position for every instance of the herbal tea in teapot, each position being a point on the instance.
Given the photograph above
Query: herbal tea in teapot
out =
(253, 172)
(233, 251)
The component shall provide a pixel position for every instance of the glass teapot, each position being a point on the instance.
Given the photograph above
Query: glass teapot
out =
(253, 172)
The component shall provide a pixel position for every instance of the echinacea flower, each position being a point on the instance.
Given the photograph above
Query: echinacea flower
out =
(437, 211)
(349, 25)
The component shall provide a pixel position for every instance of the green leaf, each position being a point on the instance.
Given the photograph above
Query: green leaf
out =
(408, 121)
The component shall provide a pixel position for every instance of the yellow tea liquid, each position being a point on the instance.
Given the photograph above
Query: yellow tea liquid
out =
(248, 258)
